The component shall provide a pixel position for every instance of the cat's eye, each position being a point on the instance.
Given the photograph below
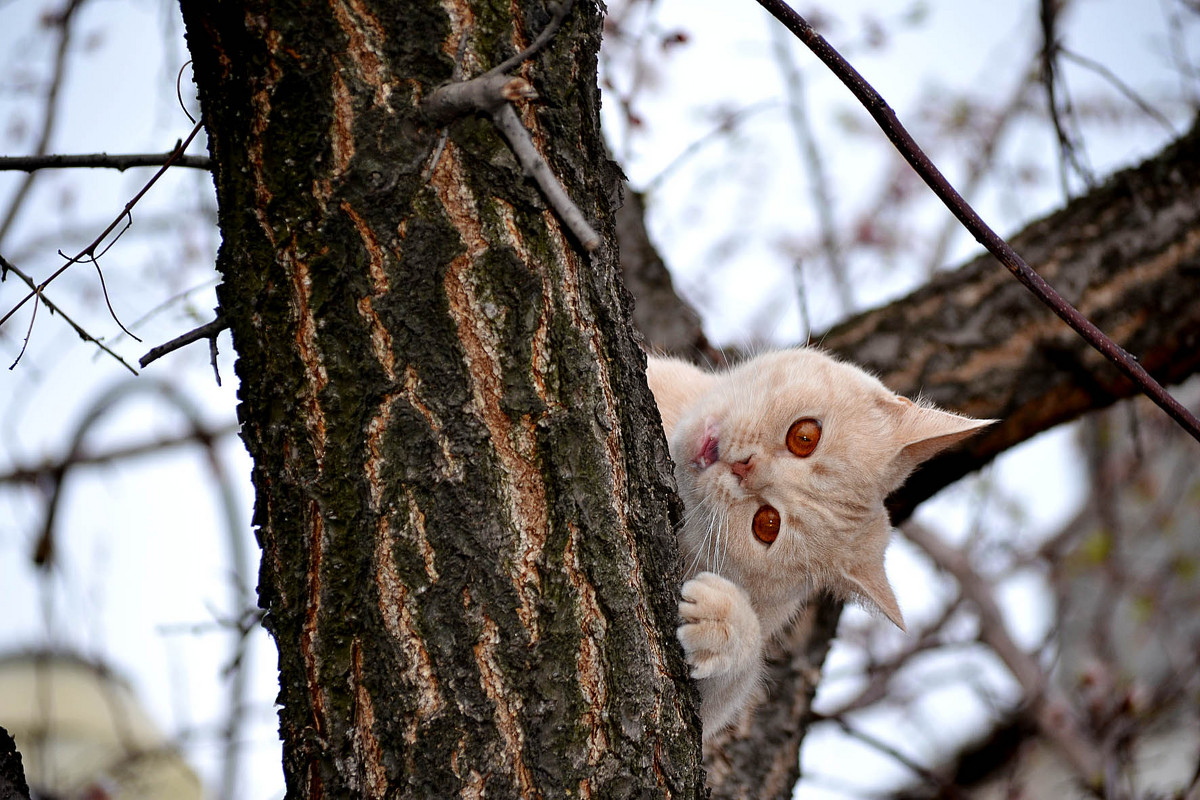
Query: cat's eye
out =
(803, 436)
(766, 524)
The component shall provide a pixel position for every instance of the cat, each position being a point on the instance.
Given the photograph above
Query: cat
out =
(783, 463)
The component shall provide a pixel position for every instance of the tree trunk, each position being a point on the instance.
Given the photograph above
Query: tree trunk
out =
(462, 490)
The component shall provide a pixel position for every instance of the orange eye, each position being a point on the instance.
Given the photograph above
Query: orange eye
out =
(766, 524)
(803, 436)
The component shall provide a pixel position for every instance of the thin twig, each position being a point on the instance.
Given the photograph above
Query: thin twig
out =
(1067, 150)
(876, 743)
(89, 252)
(207, 331)
(1122, 87)
(535, 166)
(900, 137)
(493, 92)
(1052, 715)
(7, 267)
(117, 162)
(543, 38)
(60, 66)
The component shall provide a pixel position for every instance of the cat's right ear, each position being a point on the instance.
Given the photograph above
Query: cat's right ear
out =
(922, 432)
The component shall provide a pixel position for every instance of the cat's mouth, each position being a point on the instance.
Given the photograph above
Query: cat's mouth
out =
(710, 451)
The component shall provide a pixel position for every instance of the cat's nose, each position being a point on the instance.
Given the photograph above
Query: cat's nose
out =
(742, 468)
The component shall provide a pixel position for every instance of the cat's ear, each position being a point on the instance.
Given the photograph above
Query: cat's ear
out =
(922, 432)
(869, 581)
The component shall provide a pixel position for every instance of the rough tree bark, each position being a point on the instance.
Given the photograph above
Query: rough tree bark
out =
(462, 492)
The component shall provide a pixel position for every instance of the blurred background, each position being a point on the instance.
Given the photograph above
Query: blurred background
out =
(127, 563)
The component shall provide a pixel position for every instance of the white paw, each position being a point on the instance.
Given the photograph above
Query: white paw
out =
(720, 632)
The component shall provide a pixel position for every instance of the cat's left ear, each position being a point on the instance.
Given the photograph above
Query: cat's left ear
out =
(922, 432)
(869, 581)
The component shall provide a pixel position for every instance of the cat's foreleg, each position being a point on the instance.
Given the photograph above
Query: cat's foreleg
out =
(722, 639)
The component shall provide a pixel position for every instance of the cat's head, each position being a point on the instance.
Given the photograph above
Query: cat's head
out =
(784, 466)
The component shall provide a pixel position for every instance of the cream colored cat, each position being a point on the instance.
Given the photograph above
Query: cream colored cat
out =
(783, 464)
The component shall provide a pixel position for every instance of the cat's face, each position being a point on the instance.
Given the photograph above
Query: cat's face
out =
(783, 467)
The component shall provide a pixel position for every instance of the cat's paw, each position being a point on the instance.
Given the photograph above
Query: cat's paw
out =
(720, 632)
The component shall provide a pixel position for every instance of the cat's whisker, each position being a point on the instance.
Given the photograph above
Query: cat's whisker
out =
(722, 541)
(707, 547)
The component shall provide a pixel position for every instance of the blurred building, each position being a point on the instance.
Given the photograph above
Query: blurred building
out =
(82, 734)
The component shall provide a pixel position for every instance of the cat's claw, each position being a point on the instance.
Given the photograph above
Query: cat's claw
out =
(720, 632)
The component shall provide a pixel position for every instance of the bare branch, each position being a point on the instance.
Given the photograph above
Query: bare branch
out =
(493, 92)
(6, 267)
(1120, 85)
(208, 330)
(886, 118)
(117, 162)
(1068, 151)
(50, 469)
(1051, 712)
(89, 253)
(536, 167)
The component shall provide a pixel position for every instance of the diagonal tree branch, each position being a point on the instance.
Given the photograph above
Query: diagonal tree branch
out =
(1007, 255)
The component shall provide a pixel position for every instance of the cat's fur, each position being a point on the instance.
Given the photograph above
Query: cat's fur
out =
(739, 591)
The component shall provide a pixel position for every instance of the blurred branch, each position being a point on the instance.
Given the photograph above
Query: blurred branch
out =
(1122, 87)
(667, 321)
(949, 791)
(63, 22)
(1007, 256)
(51, 470)
(818, 183)
(981, 163)
(1068, 151)
(1052, 713)
(241, 589)
(117, 162)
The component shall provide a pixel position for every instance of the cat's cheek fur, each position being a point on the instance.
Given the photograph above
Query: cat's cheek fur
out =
(722, 639)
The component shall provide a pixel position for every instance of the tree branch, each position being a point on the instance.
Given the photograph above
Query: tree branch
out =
(117, 162)
(1051, 712)
(493, 93)
(208, 330)
(6, 267)
(90, 253)
(51, 469)
(1004, 253)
